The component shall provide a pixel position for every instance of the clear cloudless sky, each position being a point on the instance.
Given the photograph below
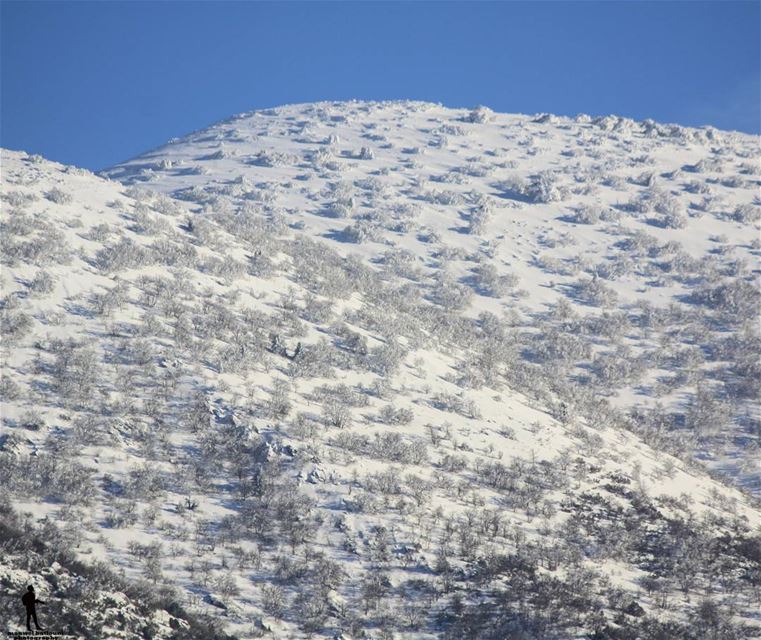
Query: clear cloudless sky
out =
(94, 83)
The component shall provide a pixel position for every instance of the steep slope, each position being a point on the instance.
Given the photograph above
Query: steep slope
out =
(624, 254)
(88, 600)
(308, 434)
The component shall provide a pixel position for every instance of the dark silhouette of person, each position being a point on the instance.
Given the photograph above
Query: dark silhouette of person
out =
(29, 601)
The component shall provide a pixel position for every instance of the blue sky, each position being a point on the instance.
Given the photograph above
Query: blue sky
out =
(95, 83)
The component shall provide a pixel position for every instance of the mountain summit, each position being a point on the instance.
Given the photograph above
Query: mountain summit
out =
(645, 233)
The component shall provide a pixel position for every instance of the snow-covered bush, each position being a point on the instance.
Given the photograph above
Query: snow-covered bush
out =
(595, 292)
(450, 294)
(639, 243)
(386, 359)
(674, 219)
(480, 115)
(126, 254)
(59, 196)
(204, 231)
(99, 232)
(555, 265)
(107, 302)
(15, 324)
(699, 187)
(615, 370)
(394, 447)
(545, 187)
(392, 416)
(76, 371)
(372, 185)
(43, 283)
(279, 405)
(267, 158)
(736, 301)
(490, 282)
(747, 213)
(587, 214)
(166, 206)
(620, 266)
(671, 210)
(456, 404)
(18, 199)
(361, 231)
(313, 361)
(560, 348)
(446, 197)
(541, 188)
(336, 414)
(707, 416)
(479, 217)
(145, 222)
(9, 389)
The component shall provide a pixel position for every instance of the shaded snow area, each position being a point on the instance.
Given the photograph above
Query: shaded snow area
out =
(386, 370)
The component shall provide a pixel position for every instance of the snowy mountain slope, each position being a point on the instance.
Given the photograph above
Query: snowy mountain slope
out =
(415, 468)
(650, 232)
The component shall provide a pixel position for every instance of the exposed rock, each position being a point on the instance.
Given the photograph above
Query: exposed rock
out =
(264, 452)
(634, 609)
(316, 475)
(210, 599)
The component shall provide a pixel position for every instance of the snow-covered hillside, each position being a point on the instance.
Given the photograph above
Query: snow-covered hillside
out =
(624, 255)
(395, 370)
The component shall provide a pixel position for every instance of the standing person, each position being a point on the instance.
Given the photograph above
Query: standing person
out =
(29, 601)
